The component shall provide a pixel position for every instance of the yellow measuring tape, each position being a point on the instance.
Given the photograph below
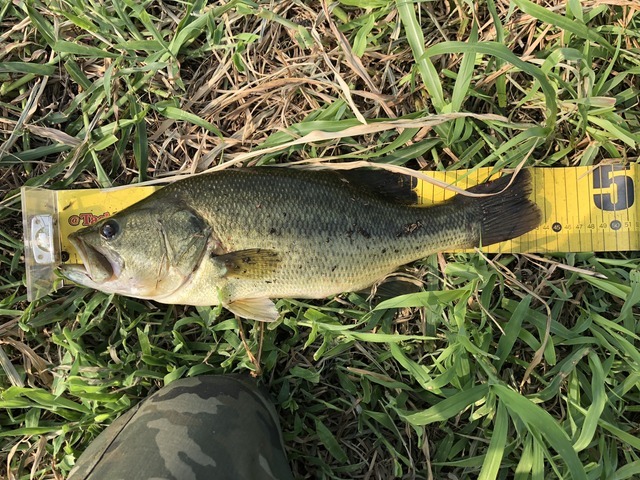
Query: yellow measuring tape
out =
(585, 209)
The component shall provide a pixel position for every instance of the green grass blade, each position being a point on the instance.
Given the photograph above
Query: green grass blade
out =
(63, 46)
(447, 408)
(495, 452)
(500, 51)
(415, 37)
(360, 40)
(629, 471)
(598, 402)
(176, 113)
(618, 132)
(538, 421)
(501, 81)
(40, 22)
(465, 74)
(423, 299)
(526, 463)
(329, 441)
(140, 141)
(189, 31)
(576, 27)
(511, 332)
(22, 67)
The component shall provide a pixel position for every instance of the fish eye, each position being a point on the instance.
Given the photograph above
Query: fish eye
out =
(110, 229)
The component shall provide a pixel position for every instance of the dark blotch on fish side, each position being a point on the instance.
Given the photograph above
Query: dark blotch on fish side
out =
(357, 229)
(363, 232)
(409, 228)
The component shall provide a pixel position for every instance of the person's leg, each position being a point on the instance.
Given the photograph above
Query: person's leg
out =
(206, 427)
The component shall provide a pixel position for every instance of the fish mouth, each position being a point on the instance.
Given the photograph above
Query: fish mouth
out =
(97, 265)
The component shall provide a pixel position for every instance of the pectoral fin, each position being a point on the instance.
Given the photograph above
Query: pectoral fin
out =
(255, 263)
(262, 309)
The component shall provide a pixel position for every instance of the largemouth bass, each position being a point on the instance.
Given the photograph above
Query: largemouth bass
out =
(242, 237)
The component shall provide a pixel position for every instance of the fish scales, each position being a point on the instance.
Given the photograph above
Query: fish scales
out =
(240, 237)
(334, 236)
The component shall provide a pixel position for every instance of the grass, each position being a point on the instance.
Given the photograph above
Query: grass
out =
(439, 384)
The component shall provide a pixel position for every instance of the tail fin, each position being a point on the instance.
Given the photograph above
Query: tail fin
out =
(505, 215)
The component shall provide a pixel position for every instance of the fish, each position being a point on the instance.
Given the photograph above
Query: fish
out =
(243, 237)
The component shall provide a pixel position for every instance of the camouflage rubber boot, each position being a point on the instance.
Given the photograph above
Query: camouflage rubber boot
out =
(201, 428)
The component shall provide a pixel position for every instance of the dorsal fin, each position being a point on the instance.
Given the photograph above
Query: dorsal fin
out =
(393, 187)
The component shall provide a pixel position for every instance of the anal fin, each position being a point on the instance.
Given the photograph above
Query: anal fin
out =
(262, 309)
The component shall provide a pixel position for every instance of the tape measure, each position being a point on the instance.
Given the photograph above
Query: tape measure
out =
(585, 209)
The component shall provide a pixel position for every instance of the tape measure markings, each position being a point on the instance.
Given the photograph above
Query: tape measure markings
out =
(584, 208)
(575, 220)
